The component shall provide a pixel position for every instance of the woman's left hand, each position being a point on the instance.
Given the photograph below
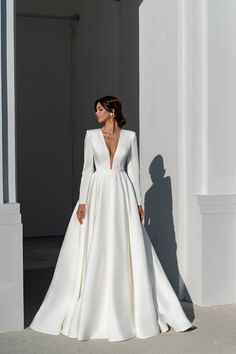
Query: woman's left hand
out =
(141, 212)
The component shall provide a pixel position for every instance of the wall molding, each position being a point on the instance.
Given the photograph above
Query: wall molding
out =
(204, 74)
(210, 204)
(10, 214)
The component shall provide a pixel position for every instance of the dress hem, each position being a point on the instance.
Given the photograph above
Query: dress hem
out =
(109, 340)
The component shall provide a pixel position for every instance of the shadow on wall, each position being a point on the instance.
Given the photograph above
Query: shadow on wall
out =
(159, 223)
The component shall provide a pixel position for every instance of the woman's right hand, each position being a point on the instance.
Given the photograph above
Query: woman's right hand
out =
(81, 212)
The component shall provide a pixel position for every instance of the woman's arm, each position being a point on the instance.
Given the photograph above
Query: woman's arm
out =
(88, 169)
(133, 168)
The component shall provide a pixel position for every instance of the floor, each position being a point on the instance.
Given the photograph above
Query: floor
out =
(40, 256)
(215, 330)
(215, 334)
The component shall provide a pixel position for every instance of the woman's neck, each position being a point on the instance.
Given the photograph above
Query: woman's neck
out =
(111, 128)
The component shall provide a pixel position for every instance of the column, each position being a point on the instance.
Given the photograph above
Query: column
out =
(11, 250)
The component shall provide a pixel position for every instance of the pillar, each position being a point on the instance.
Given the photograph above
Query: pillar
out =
(187, 119)
(11, 252)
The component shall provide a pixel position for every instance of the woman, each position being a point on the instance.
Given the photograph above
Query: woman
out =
(108, 282)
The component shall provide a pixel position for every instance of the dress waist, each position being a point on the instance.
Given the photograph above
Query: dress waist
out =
(110, 170)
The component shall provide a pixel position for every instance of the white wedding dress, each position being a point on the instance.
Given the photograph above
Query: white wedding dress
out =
(108, 282)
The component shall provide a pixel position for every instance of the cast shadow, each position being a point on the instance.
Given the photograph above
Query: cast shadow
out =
(159, 224)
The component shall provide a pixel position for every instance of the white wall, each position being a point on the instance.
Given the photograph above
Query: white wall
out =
(187, 79)
(159, 124)
(222, 96)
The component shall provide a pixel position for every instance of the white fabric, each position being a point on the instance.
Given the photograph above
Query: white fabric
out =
(108, 281)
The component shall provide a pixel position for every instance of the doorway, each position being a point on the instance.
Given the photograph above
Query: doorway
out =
(45, 148)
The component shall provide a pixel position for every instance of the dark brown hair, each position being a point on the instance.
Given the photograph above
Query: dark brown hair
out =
(112, 102)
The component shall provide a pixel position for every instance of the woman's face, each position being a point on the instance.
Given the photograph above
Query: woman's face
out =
(101, 113)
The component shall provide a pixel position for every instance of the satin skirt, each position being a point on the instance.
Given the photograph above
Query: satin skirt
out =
(108, 282)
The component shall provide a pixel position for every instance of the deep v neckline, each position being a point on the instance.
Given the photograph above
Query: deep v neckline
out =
(117, 145)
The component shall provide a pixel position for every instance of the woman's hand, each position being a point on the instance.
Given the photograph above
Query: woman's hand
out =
(141, 212)
(81, 213)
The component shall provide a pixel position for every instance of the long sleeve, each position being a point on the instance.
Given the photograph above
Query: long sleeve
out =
(133, 168)
(88, 169)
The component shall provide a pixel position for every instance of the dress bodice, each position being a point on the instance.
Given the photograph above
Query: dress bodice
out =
(97, 157)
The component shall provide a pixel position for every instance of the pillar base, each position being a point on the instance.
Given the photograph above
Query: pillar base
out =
(11, 268)
(218, 261)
